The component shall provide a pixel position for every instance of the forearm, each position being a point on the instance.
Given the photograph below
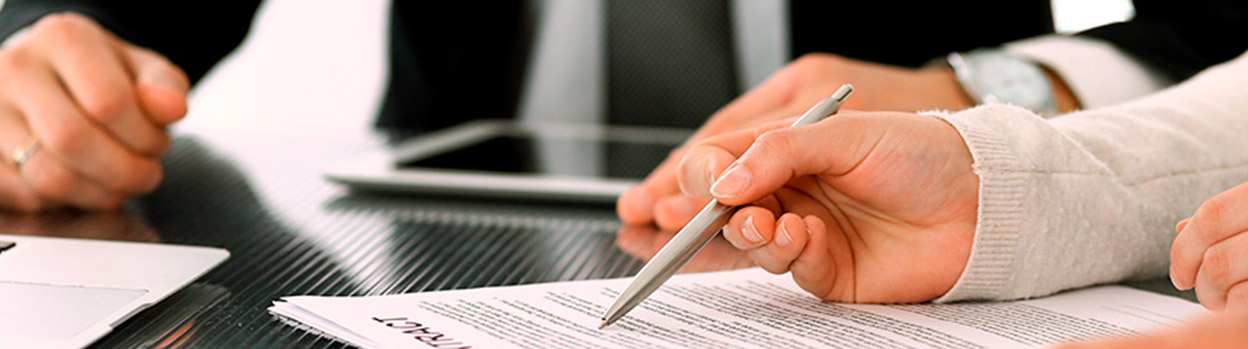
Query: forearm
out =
(1092, 197)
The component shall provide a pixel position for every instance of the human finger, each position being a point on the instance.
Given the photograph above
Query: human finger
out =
(1217, 218)
(637, 204)
(789, 238)
(93, 73)
(67, 134)
(16, 195)
(749, 228)
(161, 85)
(54, 182)
(706, 161)
(825, 266)
(830, 147)
(701, 166)
(1225, 264)
(673, 212)
(44, 176)
(658, 199)
(1182, 224)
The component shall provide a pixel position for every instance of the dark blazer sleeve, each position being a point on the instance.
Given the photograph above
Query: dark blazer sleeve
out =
(195, 35)
(1181, 38)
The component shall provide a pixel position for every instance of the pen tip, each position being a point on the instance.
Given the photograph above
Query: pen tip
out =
(603, 324)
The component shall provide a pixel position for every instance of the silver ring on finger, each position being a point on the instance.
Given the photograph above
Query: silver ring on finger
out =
(23, 153)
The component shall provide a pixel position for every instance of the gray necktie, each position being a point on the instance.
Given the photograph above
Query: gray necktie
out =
(669, 62)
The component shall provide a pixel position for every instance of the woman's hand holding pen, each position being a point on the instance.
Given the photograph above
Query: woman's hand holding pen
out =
(861, 207)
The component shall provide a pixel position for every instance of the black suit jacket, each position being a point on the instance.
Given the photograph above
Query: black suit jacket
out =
(450, 54)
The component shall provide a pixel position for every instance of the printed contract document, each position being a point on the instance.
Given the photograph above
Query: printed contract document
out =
(734, 309)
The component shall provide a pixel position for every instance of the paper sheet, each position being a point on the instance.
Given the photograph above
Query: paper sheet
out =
(734, 309)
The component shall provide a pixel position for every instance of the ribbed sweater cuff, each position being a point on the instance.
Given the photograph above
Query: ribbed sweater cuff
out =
(990, 270)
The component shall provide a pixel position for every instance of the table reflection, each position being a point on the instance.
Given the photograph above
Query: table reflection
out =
(644, 241)
(122, 225)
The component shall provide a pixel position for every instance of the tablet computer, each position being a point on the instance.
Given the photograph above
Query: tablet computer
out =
(554, 161)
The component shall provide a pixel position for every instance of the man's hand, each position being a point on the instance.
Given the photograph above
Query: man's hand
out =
(861, 207)
(1211, 251)
(97, 108)
(787, 93)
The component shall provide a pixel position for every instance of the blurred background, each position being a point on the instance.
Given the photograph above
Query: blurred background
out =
(319, 64)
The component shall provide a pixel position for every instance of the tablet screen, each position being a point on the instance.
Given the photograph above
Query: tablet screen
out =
(555, 156)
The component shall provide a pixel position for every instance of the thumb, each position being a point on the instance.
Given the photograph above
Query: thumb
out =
(831, 147)
(162, 86)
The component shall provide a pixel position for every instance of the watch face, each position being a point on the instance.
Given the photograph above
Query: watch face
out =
(1006, 79)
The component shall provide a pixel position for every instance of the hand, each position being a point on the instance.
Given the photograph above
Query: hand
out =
(861, 207)
(1218, 330)
(790, 92)
(98, 107)
(1211, 251)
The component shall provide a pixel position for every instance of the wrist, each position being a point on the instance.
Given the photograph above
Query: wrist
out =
(996, 76)
(1062, 95)
(942, 85)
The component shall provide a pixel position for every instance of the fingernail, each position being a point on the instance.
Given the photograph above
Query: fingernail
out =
(1178, 228)
(750, 232)
(728, 229)
(783, 238)
(733, 182)
(168, 81)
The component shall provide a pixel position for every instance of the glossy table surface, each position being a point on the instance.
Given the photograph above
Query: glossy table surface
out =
(291, 232)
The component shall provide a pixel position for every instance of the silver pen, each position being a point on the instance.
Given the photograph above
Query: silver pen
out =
(700, 230)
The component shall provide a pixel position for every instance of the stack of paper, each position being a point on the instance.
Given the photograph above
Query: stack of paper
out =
(735, 309)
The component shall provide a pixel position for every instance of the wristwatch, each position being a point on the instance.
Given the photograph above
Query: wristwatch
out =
(994, 76)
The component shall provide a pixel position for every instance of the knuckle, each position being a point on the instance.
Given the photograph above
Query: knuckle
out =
(814, 59)
(13, 60)
(61, 27)
(773, 142)
(1210, 214)
(66, 138)
(104, 104)
(1216, 265)
(53, 184)
(816, 65)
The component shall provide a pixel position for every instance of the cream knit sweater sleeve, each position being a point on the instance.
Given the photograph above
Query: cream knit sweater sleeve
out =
(1092, 197)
